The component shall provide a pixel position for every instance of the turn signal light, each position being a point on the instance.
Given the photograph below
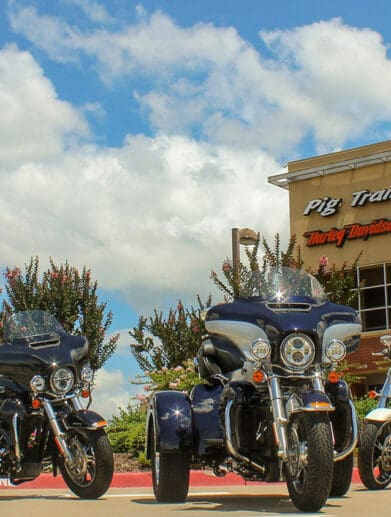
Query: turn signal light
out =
(333, 377)
(35, 403)
(85, 394)
(372, 394)
(258, 376)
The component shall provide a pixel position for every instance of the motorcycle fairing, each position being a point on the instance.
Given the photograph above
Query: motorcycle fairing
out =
(20, 362)
(243, 321)
(170, 416)
(379, 415)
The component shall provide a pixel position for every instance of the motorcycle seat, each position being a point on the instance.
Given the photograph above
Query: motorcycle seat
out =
(217, 356)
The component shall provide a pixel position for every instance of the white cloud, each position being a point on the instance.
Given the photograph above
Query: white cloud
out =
(322, 78)
(34, 123)
(94, 10)
(150, 218)
(112, 391)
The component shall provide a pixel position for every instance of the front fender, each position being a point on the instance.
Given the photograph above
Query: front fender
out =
(84, 419)
(170, 419)
(379, 415)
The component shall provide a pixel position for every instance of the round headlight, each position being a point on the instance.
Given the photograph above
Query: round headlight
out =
(37, 383)
(335, 350)
(260, 349)
(87, 374)
(62, 380)
(297, 351)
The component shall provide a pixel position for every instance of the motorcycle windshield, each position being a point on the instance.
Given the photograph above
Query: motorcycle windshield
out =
(283, 284)
(31, 324)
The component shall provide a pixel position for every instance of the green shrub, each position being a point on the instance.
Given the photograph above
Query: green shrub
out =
(364, 405)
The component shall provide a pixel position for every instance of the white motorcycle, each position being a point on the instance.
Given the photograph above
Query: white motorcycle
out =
(374, 455)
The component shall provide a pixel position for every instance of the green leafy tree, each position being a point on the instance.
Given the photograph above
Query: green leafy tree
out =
(70, 295)
(167, 342)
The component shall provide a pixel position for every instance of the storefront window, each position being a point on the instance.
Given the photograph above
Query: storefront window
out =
(375, 296)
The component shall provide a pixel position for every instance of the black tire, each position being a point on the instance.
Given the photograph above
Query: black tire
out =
(91, 476)
(170, 474)
(342, 476)
(374, 455)
(309, 470)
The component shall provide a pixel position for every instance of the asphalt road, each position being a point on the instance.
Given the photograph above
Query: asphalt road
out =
(239, 501)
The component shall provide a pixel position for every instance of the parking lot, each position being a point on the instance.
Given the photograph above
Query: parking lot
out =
(261, 500)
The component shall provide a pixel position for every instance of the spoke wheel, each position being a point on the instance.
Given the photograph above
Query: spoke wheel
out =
(374, 455)
(90, 474)
(309, 469)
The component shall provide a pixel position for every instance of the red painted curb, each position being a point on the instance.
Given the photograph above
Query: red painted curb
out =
(144, 479)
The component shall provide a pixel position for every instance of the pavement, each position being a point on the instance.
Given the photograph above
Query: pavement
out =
(144, 479)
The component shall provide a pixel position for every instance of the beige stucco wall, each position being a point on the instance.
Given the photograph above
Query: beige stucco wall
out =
(341, 185)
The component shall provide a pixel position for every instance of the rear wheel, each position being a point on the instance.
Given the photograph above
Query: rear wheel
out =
(342, 476)
(309, 469)
(170, 473)
(374, 455)
(90, 475)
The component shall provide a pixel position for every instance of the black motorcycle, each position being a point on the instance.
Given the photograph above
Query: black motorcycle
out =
(272, 405)
(43, 425)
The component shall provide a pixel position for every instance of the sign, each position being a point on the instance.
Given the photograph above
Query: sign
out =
(329, 206)
(339, 236)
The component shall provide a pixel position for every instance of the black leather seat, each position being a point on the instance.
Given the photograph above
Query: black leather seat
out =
(218, 356)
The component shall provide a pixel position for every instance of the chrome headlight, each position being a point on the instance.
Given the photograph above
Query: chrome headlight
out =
(297, 351)
(87, 374)
(37, 383)
(335, 350)
(260, 349)
(62, 380)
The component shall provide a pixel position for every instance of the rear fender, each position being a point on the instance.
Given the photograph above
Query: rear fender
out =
(84, 419)
(379, 415)
(170, 419)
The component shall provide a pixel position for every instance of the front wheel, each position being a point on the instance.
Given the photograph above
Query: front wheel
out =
(309, 469)
(90, 475)
(374, 455)
(170, 473)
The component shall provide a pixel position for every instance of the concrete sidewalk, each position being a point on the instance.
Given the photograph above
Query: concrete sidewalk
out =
(144, 479)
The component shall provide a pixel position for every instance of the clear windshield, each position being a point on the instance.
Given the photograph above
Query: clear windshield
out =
(30, 323)
(283, 283)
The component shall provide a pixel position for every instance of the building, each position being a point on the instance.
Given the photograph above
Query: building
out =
(340, 206)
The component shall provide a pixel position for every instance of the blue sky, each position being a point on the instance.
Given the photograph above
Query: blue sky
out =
(135, 135)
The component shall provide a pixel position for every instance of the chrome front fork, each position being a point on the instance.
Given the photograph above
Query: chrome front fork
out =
(58, 434)
(280, 420)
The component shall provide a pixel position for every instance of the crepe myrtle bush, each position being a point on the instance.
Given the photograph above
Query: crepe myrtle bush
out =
(168, 341)
(68, 294)
(339, 282)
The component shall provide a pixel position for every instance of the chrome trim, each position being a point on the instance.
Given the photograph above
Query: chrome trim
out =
(280, 420)
(229, 441)
(16, 442)
(57, 432)
(343, 454)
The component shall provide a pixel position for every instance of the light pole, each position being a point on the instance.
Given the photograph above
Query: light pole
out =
(240, 236)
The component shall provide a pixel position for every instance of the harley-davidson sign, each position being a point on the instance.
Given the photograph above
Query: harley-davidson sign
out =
(339, 236)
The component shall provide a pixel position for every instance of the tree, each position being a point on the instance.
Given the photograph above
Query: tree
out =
(167, 342)
(339, 282)
(70, 296)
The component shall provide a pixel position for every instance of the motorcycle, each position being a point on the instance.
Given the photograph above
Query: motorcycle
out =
(43, 425)
(374, 453)
(271, 404)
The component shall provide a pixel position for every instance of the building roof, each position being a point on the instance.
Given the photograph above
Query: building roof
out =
(340, 161)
